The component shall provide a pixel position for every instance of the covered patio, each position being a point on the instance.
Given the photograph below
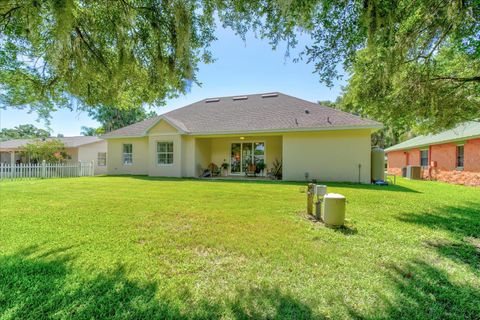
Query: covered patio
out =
(246, 157)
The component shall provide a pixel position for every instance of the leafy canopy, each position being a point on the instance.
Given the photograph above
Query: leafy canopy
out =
(113, 118)
(51, 151)
(410, 62)
(123, 53)
(23, 131)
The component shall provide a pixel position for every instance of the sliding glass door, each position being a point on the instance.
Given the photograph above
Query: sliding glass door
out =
(244, 154)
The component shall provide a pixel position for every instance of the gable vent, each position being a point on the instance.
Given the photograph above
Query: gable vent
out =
(212, 100)
(240, 98)
(270, 95)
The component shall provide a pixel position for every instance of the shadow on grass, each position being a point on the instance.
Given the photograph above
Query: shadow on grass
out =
(36, 285)
(350, 185)
(424, 291)
(462, 223)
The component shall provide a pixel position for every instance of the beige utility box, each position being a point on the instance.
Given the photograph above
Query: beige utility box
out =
(334, 209)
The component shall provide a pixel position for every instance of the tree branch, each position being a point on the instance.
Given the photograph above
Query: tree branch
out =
(458, 79)
(92, 50)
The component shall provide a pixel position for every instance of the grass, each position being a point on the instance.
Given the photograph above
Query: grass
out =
(137, 247)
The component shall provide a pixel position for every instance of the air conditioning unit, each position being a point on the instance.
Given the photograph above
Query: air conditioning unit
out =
(414, 172)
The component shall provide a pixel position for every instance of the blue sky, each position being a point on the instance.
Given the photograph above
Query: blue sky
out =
(240, 68)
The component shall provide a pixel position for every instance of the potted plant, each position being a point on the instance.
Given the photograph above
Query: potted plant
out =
(260, 166)
(224, 167)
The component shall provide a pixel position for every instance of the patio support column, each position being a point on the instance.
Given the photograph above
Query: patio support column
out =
(12, 157)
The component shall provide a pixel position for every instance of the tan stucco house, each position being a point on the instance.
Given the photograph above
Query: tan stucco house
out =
(79, 148)
(311, 141)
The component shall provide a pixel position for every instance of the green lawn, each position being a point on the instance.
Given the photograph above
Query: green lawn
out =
(135, 247)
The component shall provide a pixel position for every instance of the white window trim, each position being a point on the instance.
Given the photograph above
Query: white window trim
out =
(428, 157)
(456, 156)
(173, 153)
(124, 153)
(98, 158)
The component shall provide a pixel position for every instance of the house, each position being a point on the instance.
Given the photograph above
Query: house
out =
(312, 141)
(81, 148)
(450, 156)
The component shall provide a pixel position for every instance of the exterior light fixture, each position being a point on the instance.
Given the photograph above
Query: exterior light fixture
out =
(242, 138)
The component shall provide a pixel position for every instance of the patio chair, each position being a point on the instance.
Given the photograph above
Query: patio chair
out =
(214, 170)
(251, 170)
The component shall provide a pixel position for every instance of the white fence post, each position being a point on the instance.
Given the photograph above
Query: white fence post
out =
(44, 169)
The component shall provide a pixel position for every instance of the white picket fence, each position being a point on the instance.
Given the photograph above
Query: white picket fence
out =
(46, 170)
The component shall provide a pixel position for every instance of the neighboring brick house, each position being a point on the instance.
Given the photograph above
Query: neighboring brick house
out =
(450, 156)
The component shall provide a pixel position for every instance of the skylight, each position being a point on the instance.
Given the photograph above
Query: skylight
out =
(269, 95)
(240, 98)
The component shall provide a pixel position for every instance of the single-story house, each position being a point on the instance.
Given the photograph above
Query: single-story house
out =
(450, 156)
(310, 140)
(81, 148)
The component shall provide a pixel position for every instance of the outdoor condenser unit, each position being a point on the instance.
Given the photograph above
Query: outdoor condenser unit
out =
(414, 172)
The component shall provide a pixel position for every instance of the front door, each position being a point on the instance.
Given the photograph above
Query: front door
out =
(244, 154)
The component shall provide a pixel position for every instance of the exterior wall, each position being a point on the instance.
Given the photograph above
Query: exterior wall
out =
(396, 160)
(445, 157)
(203, 155)
(73, 153)
(115, 159)
(472, 155)
(327, 155)
(89, 152)
(163, 131)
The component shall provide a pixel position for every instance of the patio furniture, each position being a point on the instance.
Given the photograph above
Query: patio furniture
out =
(214, 169)
(251, 170)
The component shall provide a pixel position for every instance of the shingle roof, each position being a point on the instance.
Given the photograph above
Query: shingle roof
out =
(250, 113)
(69, 142)
(463, 131)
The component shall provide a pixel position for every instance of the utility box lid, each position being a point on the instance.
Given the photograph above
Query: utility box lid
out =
(334, 196)
(320, 189)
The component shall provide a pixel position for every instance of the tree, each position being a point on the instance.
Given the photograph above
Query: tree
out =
(113, 118)
(23, 131)
(412, 62)
(415, 63)
(89, 131)
(122, 53)
(50, 150)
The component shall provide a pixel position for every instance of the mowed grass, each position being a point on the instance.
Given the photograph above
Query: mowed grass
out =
(137, 247)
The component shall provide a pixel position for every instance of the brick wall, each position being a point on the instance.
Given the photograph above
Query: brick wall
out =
(472, 155)
(445, 156)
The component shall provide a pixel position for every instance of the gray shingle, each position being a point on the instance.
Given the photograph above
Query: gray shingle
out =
(254, 114)
(463, 131)
(69, 142)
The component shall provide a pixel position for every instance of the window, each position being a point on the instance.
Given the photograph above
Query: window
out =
(164, 153)
(127, 153)
(102, 159)
(459, 156)
(424, 158)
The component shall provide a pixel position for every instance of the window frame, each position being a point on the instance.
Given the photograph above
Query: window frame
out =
(127, 153)
(421, 158)
(166, 153)
(104, 159)
(457, 156)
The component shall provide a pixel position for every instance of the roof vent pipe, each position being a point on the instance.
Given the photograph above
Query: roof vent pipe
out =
(212, 100)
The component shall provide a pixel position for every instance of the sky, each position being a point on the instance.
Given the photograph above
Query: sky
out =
(241, 67)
